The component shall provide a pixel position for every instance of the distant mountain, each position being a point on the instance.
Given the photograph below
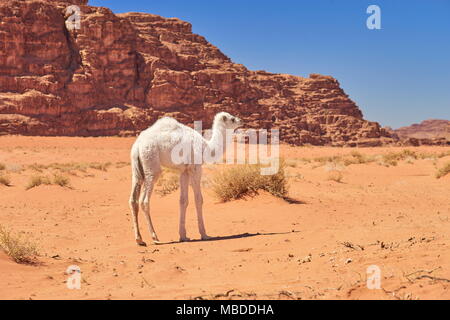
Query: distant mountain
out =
(428, 129)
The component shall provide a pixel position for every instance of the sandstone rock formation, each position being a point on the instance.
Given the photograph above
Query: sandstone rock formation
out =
(429, 132)
(119, 73)
(428, 129)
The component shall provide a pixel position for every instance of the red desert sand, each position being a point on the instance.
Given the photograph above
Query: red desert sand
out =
(345, 219)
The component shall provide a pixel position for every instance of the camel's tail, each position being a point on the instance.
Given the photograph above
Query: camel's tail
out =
(136, 164)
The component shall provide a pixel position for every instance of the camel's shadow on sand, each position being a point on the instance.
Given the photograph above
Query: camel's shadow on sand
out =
(231, 237)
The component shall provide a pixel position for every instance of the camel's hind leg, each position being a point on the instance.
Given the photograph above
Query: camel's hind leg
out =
(149, 182)
(196, 177)
(134, 206)
(184, 201)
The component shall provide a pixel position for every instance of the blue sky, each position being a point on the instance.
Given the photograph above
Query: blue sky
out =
(398, 75)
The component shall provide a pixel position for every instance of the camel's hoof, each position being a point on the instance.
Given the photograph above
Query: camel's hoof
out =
(205, 238)
(185, 239)
(141, 243)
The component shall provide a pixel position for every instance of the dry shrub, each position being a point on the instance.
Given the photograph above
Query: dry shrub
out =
(443, 154)
(100, 166)
(442, 172)
(357, 158)
(167, 184)
(36, 181)
(2, 166)
(291, 163)
(5, 180)
(246, 180)
(336, 176)
(61, 180)
(58, 179)
(122, 164)
(20, 250)
(388, 160)
(392, 158)
(408, 154)
(433, 156)
(72, 166)
(325, 160)
(37, 167)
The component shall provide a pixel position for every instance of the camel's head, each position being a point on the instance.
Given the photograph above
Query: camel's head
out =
(228, 121)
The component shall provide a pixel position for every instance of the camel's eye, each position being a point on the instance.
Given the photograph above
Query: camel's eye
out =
(233, 120)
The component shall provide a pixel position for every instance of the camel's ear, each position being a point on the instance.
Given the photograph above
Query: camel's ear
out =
(224, 118)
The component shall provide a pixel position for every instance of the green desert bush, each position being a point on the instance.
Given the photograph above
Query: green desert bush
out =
(442, 172)
(246, 180)
(19, 249)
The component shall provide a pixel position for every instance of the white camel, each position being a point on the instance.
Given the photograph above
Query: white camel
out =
(158, 147)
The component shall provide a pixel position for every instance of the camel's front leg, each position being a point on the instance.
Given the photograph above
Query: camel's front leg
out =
(196, 178)
(184, 201)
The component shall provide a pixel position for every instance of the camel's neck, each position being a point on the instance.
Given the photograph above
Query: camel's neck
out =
(218, 139)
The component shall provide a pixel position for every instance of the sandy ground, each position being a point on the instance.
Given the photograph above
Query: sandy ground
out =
(266, 248)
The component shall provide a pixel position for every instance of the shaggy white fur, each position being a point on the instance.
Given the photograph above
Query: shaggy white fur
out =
(171, 144)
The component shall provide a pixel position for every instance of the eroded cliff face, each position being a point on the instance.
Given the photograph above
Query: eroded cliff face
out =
(119, 73)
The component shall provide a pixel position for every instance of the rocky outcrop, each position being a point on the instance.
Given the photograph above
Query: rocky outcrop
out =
(429, 132)
(428, 129)
(119, 73)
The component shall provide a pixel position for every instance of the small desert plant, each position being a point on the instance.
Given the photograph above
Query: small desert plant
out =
(100, 166)
(20, 250)
(122, 164)
(357, 158)
(442, 172)
(61, 180)
(2, 166)
(167, 185)
(336, 176)
(237, 182)
(4, 180)
(389, 159)
(36, 181)
(291, 163)
(37, 167)
(408, 154)
(325, 160)
(392, 158)
(443, 154)
(71, 166)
